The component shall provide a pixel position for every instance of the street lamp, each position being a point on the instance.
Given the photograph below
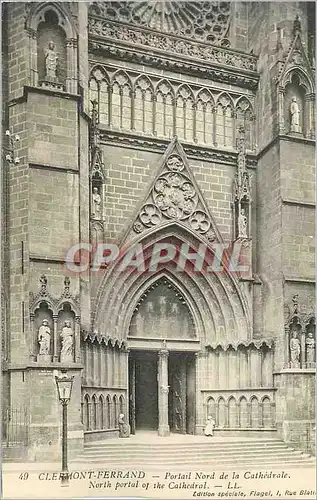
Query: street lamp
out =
(64, 388)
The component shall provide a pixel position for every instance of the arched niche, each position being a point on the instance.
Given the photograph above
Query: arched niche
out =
(162, 312)
(295, 94)
(51, 51)
(242, 217)
(295, 348)
(297, 83)
(54, 21)
(97, 195)
(66, 326)
(310, 344)
(43, 316)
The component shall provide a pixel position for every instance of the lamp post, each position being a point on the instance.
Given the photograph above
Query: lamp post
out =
(64, 388)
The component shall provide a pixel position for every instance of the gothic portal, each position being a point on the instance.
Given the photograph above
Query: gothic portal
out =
(158, 207)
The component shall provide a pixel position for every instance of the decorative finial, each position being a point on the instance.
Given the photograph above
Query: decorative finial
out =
(279, 45)
(94, 141)
(66, 292)
(297, 26)
(295, 303)
(241, 140)
(94, 113)
(43, 281)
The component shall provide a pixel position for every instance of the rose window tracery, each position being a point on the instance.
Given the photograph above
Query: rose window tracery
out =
(150, 215)
(205, 21)
(175, 196)
(200, 222)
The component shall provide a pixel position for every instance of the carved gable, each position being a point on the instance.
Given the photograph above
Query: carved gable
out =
(174, 196)
(296, 58)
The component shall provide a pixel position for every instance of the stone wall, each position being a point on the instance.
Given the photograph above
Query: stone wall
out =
(295, 407)
(17, 50)
(53, 134)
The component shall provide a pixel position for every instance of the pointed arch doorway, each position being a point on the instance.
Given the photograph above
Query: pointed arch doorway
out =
(162, 362)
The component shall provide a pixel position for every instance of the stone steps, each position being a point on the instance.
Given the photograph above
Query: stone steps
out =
(131, 453)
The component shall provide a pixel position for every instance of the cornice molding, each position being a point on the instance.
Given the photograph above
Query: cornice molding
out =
(155, 145)
(169, 61)
(288, 138)
(127, 35)
(298, 203)
(27, 89)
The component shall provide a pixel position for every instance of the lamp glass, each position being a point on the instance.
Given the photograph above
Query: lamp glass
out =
(64, 387)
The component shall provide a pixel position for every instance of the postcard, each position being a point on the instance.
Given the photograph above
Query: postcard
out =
(157, 250)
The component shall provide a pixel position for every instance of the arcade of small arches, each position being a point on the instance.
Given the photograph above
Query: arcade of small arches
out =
(248, 411)
(101, 412)
(164, 108)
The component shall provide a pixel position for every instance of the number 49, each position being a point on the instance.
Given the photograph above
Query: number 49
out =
(24, 476)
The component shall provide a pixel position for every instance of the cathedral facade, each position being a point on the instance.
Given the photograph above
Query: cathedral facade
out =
(150, 145)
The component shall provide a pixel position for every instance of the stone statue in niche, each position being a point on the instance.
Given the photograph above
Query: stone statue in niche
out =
(295, 116)
(210, 425)
(242, 224)
(310, 348)
(96, 204)
(67, 338)
(51, 59)
(44, 338)
(295, 350)
(124, 428)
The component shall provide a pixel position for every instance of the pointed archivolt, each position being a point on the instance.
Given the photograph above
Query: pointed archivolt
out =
(174, 196)
(296, 58)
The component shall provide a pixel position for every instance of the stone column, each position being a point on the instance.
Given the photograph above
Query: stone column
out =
(34, 344)
(110, 92)
(125, 382)
(55, 353)
(33, 69)
(302, 357)
(71, 62)
(281, 92)
(307, 127)
(200, 397)
(154, 100)
(77, 340)
(163, 388)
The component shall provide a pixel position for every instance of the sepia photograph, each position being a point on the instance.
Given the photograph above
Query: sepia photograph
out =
(158, 249)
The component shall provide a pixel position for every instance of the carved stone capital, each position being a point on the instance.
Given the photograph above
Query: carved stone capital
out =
(164, 389)
(163, 353)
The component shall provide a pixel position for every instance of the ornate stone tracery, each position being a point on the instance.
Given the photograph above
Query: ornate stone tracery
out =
(174, 196)
(144, 104)
(208, 21)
